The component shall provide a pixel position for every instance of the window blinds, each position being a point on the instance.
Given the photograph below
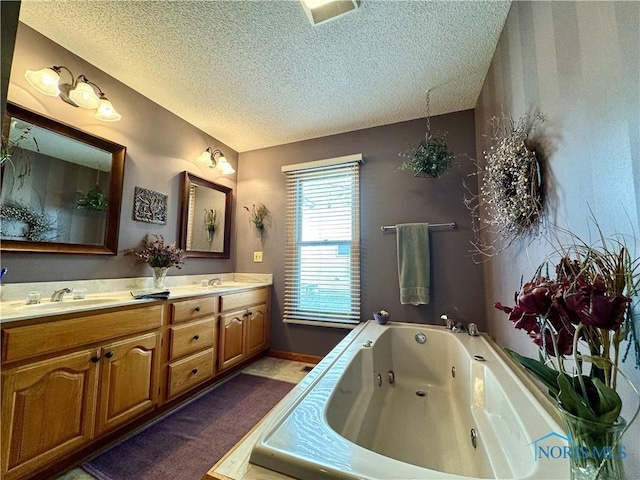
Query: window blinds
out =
(322, 261)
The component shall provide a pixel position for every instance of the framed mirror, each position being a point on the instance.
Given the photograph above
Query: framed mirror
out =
(205, 220)
(61, 188)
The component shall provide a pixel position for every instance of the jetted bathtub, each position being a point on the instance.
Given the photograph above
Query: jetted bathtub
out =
(408, 401)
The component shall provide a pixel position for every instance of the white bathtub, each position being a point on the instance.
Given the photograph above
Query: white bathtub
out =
(349, 420)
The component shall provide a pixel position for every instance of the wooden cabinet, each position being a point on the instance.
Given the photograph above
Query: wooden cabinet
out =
(48, 409)
(192, 344)
(244, 331)
(77, 386)
(128, 380)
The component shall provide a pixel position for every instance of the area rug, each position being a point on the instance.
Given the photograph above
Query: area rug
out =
(185, 445)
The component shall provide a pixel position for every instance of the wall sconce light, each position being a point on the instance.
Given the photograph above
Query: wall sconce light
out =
(208, 159)
(80, 92)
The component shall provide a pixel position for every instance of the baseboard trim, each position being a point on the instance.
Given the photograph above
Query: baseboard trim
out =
(297, 357)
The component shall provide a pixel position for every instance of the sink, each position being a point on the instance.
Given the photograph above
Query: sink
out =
(65, 304)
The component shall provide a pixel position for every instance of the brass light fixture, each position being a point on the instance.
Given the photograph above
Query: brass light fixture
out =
(80, 92)
(208, 159)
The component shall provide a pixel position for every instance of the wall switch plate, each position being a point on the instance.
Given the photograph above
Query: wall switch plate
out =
(257, 257)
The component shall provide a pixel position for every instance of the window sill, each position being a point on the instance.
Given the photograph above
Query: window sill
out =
(318, 323)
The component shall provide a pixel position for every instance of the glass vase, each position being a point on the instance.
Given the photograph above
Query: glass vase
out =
(159, 277)
(597, 449)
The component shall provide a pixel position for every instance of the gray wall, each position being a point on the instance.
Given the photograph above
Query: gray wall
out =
(387, 198)
(159, 144)
(578, 63)
(9, 13)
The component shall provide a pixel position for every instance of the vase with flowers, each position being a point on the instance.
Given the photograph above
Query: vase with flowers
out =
(579, 320)
(160, 257)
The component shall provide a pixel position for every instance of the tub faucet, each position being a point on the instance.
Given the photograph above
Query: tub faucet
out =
(58, 295)
(460, 327)
(215, 281)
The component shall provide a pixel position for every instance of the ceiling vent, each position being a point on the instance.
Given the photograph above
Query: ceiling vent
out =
(321, 11)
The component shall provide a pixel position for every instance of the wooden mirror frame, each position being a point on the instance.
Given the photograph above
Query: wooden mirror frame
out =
(187, 180)
(116, 179)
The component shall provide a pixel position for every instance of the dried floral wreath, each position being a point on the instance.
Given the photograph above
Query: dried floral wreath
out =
(37, 225)
(510, 188)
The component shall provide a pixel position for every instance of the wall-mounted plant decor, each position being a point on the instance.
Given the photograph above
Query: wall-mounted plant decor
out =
(150, 206)
(258, 214)
(96, 199)
(211, 221)
(431, 158)
(14, 151)
(510, 187)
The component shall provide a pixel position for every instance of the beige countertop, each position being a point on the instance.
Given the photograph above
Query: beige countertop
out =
(101, 294)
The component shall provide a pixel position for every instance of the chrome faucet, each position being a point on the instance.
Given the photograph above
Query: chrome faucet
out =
(58, 295)
(460, 327)
(215, 281)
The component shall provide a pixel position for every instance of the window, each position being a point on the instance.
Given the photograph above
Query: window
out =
(322, 262)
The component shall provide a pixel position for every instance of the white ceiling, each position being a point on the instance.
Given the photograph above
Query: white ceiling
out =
(256, 73)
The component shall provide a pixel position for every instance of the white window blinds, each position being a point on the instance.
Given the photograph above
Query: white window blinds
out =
(322, 262)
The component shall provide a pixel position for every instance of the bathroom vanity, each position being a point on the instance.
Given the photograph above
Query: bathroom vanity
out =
(75, 379)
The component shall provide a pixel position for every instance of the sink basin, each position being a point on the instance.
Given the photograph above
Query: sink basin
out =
(66, 304)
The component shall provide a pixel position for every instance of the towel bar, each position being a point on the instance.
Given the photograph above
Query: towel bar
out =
(451, 225)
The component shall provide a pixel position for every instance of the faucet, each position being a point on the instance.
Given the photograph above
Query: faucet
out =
(215, 281)
(460, 327)
(58, 295)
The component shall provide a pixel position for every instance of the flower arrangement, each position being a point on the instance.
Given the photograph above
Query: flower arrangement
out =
(510, 186)
(157, 253)
(431, 159)
(8, 156)
(258, 214)
(584, 313)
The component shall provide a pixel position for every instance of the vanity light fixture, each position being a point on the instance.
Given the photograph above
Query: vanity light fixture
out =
(208, 159)
(81, 92)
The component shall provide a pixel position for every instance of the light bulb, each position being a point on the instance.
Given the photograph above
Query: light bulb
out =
(45, 81)
(204, 159)
(106, 112)
(84, 96)
(224, 166)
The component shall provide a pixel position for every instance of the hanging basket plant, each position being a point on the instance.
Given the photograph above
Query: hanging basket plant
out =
(431, 158)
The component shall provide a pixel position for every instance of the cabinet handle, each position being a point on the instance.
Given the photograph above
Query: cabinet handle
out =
(249, 313)
(194, 371)
(108, 354)
(197, 309)
(196, 337)
(95, 359)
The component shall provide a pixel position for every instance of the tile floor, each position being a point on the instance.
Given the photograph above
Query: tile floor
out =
(270, 367)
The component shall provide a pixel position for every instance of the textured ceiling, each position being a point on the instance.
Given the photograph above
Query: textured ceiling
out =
(256, 73)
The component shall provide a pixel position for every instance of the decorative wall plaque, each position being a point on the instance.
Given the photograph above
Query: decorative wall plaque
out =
(150, 206)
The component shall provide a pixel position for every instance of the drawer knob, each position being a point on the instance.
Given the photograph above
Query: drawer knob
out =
(196, 337)
(194, 371)
(109, 354)
(197, 309)
(95, 359)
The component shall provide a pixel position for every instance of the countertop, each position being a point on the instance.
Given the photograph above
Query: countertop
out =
(13, 310)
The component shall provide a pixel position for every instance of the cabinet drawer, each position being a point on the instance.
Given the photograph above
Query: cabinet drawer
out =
(191, 337)
(32, 340)
(192, 309)
(243, 299)
(189, 372)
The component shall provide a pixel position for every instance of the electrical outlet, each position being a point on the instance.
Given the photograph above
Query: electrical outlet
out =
(257, 257)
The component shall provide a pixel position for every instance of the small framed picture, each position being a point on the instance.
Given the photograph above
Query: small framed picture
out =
(150, 206)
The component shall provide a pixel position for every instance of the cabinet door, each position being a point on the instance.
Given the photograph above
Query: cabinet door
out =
(48, 409)
(256, 328)
(232, 339)
(128, 381)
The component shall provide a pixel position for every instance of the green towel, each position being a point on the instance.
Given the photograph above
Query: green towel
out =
(413, 263)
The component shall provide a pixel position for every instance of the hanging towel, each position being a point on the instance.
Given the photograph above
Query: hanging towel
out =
(413, 263)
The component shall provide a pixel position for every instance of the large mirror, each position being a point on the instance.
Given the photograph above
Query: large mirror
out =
(205, 225)
(61, 188)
